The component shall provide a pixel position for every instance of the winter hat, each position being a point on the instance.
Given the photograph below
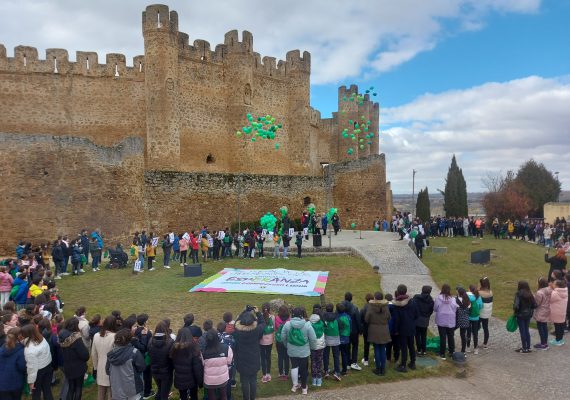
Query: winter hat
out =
(247, 318)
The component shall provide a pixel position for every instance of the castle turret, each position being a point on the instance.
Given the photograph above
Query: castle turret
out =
(160, 32)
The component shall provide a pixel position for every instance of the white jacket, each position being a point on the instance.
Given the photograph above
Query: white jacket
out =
(84, 329)
(487, 310)
(101, 347)
(37, 356)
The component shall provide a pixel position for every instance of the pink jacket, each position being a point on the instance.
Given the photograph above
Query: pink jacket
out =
(216, 371)
(558, 303)
(542, 310)
(6, 281)
(183, 244)
(267, 338)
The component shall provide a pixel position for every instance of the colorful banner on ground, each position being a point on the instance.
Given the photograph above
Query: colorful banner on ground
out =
(268, 281)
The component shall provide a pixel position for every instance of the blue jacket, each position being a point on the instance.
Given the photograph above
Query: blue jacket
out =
(12, 368)
(98, 239)
(176, 244)
(76, 255)
(19, 252)
(22, 295)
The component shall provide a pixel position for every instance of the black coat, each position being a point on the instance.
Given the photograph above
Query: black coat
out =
(424, 305)
(555, 264)
(246, 348)
(188, 369)
(75, 354)
(159, 352)
(405, 315)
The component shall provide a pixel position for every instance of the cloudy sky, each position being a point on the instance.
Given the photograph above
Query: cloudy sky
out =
(488, 80)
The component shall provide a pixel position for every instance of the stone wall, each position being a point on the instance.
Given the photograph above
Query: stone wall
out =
(358, 190)
(180, 201)
(55, 185)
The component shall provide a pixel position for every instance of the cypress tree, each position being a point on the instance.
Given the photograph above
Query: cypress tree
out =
(455, 194)
(423, 209)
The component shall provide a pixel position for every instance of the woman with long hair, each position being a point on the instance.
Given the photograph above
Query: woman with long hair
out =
(266, 342)
(75, 357)
(542, 312)
(523, 306)
(487, 310)
(557, 262)
(445, 308)
(463, 309)
(102, 344)
(160, 363)
(12, 366)
(38, 362)
(188, 369)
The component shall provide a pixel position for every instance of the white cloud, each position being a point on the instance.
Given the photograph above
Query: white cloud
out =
(345, 38)
(492, 127)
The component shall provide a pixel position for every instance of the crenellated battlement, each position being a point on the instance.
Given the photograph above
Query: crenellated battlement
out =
(157, 17)
(56, 61)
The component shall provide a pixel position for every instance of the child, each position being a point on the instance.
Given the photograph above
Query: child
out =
(299, 243)
(266, 342)
(228, 340)
(462, 316)
(317, 348)
(282, 357)
(286, 242)
(205, 248)
(230, 323)
(424, 304)
(207, 326)
(166, 248)
(476, 306)
(260, 241)
(487, 310)
(344, 322)
(558, 304)
(150, 254)
(216, 359)
(542, 312)
(134, 254)
(332, 341)
(125, 365)
(6, 282)
(276, 244)
(405, 315)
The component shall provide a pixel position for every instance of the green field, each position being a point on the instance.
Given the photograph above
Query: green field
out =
(164, 293)
(511, 261)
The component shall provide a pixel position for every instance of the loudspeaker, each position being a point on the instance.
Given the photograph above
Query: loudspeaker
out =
(481, 257)
(192, 270)
(317, 240)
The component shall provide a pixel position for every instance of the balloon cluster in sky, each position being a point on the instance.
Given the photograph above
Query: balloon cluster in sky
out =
(358, 131)
(263, 127)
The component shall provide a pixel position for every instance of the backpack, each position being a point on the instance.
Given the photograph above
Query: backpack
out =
(462, 316)
(319, 328)
(474, 309)
(296, 337)
(269, 327)
(278, 336)
(14, 291)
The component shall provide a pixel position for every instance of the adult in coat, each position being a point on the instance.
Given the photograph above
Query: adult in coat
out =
(102, 344)
(557, 262)
(377, 317)
(542, 312)
(249, 329)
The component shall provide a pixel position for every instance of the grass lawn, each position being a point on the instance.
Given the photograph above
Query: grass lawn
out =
(511, 261)
(164, 293)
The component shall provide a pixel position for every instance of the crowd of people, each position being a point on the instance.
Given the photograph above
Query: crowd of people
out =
(312, 347)
(127, 356)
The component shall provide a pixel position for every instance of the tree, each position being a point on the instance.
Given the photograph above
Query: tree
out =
(506, 199)
(423, 210)
(455, 193)
(539, 185)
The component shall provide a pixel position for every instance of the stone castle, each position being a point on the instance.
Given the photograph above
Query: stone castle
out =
(153, 146)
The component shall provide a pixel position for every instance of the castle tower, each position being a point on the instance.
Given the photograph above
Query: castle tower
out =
(353, 111)
(160, 32)
(298, 71)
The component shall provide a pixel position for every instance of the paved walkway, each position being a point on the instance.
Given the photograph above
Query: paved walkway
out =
(496, 373)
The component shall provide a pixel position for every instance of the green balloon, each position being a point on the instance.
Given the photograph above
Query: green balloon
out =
(253, 139)
(361, 146)
(353, 225)
(276, 146)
